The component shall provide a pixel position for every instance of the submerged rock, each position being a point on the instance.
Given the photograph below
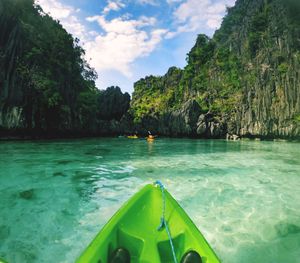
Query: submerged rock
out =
(59, 174)
(27, 194)
(4, 232)
(284, 229)
(64, 162)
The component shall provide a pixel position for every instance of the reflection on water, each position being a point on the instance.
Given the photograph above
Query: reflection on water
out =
(243, 196)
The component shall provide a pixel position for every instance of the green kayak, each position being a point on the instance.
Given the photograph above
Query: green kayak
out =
(135, 227)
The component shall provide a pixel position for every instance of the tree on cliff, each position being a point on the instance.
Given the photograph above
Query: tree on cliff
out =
(43, 74)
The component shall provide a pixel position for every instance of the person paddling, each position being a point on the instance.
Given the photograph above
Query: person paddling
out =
(150, 136)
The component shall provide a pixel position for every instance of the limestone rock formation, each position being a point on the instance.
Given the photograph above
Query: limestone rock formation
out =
(247, 77)
(183, 121)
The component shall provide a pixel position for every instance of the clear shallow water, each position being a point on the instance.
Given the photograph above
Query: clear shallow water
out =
(244, 196)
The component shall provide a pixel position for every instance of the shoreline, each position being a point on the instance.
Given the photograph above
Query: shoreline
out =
(72, 136)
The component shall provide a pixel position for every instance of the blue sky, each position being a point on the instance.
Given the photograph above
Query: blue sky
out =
(126, 40)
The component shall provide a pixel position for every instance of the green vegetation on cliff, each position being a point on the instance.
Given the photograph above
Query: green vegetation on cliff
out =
(45, 83)
(247, 75)
(43, 72)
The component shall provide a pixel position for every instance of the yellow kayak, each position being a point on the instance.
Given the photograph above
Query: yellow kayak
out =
(132, 137)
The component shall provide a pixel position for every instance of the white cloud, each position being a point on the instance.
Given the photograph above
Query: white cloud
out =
(173, 1)
(122, 43)
(148, 2)
(122, 26)
(113, 6)
(56, 9)
(195, 15)
(67, 15)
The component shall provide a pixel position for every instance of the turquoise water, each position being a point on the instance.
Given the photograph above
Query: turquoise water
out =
(244, 196)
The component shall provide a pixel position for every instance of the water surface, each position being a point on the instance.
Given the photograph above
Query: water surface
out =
(56, 195)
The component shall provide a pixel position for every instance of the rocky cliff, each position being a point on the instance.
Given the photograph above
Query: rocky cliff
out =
(244, 81)
(46, 87)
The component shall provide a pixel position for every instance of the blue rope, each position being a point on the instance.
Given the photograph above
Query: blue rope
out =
(163, 222)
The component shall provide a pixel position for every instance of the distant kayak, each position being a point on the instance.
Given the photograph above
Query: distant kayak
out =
(132, 137)
(135, 227)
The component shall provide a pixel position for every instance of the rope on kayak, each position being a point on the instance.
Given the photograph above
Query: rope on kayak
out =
(163, 222)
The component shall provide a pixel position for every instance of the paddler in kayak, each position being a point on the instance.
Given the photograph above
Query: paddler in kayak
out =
(135, 136)
(150, 137)
(121, 255)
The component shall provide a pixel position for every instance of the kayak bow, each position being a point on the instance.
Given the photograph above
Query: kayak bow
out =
(135, 227)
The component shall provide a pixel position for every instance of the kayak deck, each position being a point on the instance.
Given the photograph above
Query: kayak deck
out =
(134, 227)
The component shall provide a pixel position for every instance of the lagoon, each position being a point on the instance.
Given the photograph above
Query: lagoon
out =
(56, 195)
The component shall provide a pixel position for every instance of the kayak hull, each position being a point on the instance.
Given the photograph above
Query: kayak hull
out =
(134, 227)
(132, 137)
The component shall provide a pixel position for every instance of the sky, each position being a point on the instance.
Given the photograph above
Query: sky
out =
(126, 40)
